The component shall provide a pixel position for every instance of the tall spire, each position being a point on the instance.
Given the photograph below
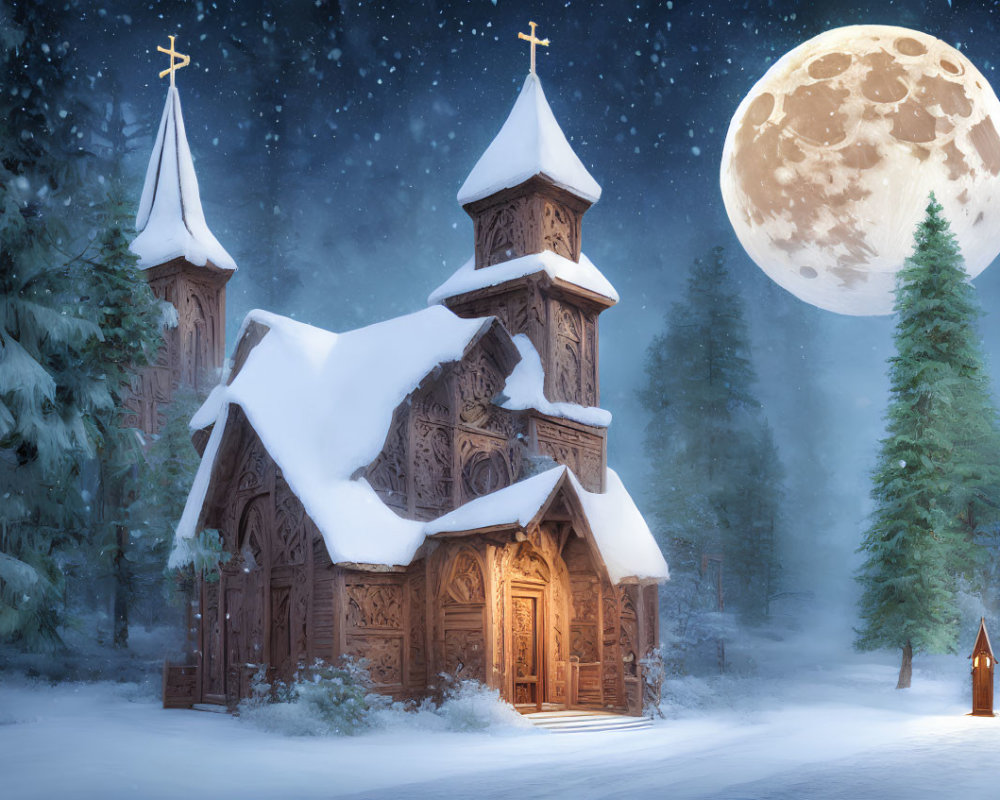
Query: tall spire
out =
(530, 143)
(170, 221)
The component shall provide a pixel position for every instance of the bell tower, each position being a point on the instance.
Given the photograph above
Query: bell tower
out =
(527, 195)
(185, 266)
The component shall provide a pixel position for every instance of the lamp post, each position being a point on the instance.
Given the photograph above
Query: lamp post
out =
(982, 674)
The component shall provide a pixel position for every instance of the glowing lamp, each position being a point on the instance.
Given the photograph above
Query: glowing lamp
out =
(982, 674)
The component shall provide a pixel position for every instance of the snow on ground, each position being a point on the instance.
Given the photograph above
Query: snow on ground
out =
(834, 731)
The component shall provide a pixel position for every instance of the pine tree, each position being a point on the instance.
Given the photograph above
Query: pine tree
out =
(44, 395)
(715, 471)
(937, 464)
(130, 319)
(160, 490)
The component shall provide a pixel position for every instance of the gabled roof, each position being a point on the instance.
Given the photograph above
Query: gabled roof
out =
(619, 532)
(323, 411)
(170, 222)
(322, 404)
(559, 268)
(529, 143)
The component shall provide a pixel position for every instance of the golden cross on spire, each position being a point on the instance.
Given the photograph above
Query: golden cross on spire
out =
(534, 40)
(182, 61)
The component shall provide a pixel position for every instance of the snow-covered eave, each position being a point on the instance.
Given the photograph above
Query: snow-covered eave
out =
(178, 258)
(586, 277)
(193, 516)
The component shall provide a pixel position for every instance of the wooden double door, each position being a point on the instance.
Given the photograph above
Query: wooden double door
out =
(255, 614)
(527, 637)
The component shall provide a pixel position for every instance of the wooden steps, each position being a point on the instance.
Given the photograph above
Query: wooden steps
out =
(586, 721)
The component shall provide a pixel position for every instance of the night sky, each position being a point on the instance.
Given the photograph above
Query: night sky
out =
(330, 141)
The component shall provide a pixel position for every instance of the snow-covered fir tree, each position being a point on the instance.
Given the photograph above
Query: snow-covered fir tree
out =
(937, 465)
(130, 318)
(158, 491)
(45, 396)
(716, 477)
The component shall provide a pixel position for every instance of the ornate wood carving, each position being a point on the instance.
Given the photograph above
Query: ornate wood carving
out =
(611, 668)
(214, 668)
(465, 583)
(527, 219)
(432, 462)
(528, 565)
(577, 448)
(417, 628)
(487, 464)
(280, 634)
(559, 233)
(504, 232)
(388, 472)
(384, 655)
(500, 581)
(374, 606)
(464, 653)
(289, 545)
(523, 631)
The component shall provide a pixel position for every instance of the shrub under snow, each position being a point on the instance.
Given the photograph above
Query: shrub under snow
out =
(327, 700)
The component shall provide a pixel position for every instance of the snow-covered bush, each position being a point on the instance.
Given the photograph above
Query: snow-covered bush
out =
(472, 706)
(322, 700)
(326, 700)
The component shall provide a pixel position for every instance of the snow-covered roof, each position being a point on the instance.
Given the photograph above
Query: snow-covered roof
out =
(170, 221)
(322, 412)
(525, 388)
(468, 279)
(621, 535)
(529, 143)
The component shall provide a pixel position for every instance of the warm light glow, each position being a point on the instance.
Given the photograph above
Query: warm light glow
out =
(975, 662)
(987, 661)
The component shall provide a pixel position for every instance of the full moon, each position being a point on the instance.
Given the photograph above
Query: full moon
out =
(829, 161)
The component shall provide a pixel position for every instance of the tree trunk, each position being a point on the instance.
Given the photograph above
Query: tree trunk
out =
(906, 668)
(122, 581)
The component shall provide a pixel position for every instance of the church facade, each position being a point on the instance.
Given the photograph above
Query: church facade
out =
(430, 493)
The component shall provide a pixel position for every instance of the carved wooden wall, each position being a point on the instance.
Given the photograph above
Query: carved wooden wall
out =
(585, 620)
(193, 351)
(580, 447)
(259, 610)
(529, 219)
(462, 601)
(374, 618)
(561, 326)
(450, 443)
(571, 366)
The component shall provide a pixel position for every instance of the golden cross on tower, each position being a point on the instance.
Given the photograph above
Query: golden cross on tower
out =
(534, 40)
(174, 65)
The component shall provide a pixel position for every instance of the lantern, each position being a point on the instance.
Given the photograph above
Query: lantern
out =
(982, 674)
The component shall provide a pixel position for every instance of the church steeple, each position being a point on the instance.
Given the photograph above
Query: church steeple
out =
(529, 190)
(527, 195)
(170, 221)
(185, 265)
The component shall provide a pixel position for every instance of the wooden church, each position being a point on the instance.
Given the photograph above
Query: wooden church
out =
(429, 493)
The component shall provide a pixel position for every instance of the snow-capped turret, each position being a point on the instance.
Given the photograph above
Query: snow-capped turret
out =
(170, 221)
(185, 266)
(527, 196)
(530, 143)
